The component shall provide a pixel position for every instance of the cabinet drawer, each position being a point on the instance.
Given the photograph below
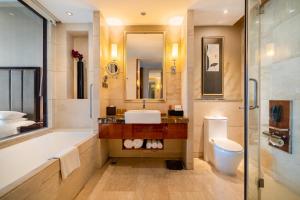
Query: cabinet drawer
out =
(112, 131)
(149, 131)
(176, 131)
(127, 131)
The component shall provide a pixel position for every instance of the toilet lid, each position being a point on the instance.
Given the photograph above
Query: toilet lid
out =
(228, 145)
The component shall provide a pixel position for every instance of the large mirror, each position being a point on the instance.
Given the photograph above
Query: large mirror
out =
(144, 64)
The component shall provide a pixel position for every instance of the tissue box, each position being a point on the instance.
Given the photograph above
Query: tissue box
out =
(111, 110)
(178, 113)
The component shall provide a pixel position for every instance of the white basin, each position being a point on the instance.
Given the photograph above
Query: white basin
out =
(142, 117)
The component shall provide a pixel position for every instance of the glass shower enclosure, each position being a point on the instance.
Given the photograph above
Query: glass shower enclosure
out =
(273, 99)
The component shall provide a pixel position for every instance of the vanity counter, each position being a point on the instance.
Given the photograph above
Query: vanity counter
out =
(169, 128)
(164, 120)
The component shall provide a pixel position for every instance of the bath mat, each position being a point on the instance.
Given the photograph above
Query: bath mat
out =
(174, 164)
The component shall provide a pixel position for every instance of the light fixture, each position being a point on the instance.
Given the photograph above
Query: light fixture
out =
(112, 68)
(270, 50)
(174, 57)
(69, 13)
(114, 51)
(225, 11)
(111, 21)
(176, 21)
(11, 14)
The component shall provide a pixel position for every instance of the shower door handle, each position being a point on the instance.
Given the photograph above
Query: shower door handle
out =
(91, 101)
(255, 105)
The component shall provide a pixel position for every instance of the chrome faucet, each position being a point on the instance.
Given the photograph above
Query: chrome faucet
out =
(144, 103)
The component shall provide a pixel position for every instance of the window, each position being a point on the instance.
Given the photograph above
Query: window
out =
(23, 69)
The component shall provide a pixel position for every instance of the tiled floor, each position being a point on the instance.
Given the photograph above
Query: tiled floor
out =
(147, 178)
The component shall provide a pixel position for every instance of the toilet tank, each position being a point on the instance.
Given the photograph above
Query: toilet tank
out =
(214, 127)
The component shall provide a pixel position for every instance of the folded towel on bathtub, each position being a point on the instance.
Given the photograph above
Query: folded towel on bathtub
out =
(69, 161)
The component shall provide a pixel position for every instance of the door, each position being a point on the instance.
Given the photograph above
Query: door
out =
(252, 100)
(273, 91)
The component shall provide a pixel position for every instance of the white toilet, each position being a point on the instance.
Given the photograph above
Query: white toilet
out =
(223, 153)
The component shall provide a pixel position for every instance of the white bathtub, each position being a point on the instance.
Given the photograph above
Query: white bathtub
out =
(21, 161)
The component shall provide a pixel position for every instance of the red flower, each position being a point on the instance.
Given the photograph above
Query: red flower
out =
(76, 54)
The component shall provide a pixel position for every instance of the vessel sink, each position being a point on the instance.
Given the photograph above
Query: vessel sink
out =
(142, 117)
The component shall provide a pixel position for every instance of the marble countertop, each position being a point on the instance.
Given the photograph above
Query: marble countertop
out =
(119, 119)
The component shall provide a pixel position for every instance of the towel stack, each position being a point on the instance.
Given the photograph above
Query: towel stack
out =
(136, 143)
(154, 144)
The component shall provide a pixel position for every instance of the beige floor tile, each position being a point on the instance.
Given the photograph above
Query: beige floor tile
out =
(148, 178)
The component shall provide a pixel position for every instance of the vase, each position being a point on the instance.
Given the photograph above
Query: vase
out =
(80, 79)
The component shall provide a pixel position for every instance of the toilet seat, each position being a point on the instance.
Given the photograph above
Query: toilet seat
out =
(227, 145)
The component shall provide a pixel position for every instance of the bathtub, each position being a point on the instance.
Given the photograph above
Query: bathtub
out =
(25, 160)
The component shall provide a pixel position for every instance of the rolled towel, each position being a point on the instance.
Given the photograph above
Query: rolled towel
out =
(128, 144)
(149, 144)
(138, 143)
(159, 144)
(154, 144)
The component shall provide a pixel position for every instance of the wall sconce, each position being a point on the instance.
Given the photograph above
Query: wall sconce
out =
(112, 68)
(174, 57)
(270, 50)
(114, 52)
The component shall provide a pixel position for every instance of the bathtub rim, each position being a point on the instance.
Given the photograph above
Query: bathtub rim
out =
(10, 187)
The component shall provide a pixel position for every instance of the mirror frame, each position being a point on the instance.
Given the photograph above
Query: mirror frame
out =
(162, 100)
(107, 70)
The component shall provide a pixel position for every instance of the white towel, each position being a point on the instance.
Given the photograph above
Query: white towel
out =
(128, 144)
(154, 144)
(138, 143)
(159, 144)
(69, 161)
(149, 144)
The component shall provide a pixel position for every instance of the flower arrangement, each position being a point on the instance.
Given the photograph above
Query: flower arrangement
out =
(77, 55)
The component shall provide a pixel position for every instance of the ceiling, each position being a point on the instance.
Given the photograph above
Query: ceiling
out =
(159, 12)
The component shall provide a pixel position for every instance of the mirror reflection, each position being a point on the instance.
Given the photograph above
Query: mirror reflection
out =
(144, 65)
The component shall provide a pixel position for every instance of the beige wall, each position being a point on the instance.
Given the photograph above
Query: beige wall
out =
(229, 107)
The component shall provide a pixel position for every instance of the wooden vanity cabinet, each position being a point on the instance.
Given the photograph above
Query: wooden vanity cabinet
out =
(112, 131)
(143, 131)
(176, 131)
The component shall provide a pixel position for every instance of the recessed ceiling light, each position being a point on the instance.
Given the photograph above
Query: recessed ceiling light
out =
(225, 11)
(176, 21)
(69, 13)
(114, 21)
(11, 14)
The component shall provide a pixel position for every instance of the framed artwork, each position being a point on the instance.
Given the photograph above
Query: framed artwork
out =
(212, 66)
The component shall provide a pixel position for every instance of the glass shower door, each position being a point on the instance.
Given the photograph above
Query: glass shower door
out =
(273, 97)
(252, 99)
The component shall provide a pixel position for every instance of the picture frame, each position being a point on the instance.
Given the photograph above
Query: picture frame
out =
(212, 67)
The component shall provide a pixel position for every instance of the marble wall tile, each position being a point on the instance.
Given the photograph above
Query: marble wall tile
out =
(280, 80)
